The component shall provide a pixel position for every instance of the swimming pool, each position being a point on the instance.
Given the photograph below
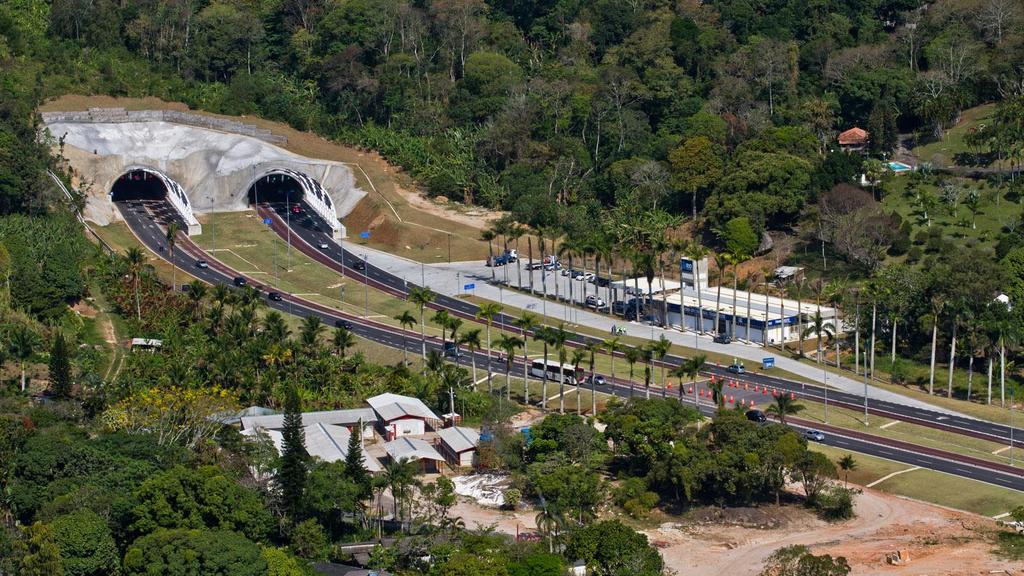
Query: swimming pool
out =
(899, 167)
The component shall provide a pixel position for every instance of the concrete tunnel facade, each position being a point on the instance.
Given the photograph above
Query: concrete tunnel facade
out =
(204, 170)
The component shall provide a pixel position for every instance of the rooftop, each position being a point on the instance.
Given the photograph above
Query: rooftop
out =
(853, 136)
(459, 438)
(342, 417)
(656, 287)
(393, 406)
(406, 448)
(324, 441)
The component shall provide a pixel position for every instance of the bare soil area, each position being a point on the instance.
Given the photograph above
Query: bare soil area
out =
(736, 542)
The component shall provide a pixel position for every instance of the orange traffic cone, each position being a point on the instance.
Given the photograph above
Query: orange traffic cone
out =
(792, 396)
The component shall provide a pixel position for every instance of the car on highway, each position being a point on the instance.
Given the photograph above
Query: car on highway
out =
(598, 380)
(202, 264)
(451, 350)
(239, 281)
(722, 338)
(296, 209)
(816, 435)
(275, 296)
(359, 265)
(737, 368)
(339, 323)
(323, 245)
(756, 416)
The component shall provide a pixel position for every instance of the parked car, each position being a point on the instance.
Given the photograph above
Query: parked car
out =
(535, 266)
(815, 435)
(359, 265)
(239, 281)
(619, 308)
(586, 277)
(594, 302)
(202, 264)
(756, 416)
(340, 323)
(275, 296)
(553, 266)
(567, 271)
(722, 338)
(737, 368)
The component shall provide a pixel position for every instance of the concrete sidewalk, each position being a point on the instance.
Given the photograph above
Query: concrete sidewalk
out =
(450, 279)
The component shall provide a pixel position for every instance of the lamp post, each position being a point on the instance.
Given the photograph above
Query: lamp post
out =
(366, 287)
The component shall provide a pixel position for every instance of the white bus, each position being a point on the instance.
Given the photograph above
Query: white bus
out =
(555, 371)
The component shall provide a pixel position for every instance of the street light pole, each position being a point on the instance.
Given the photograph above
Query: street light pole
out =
(366, 288)
(1011, 428)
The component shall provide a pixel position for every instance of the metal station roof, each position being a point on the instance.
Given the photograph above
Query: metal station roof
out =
(340, 417)
(406, 448)
(394, 406)
(459, 438)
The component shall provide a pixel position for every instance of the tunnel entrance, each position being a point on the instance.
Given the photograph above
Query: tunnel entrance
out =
(274, 189)
(138, 185)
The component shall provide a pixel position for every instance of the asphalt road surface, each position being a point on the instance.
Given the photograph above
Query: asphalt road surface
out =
(146, 220)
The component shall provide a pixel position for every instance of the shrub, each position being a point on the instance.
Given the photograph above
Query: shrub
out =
(834, 503)
(512, 498)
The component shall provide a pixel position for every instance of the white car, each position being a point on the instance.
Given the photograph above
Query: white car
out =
(594, 302)
(587, 277)
(323, 245)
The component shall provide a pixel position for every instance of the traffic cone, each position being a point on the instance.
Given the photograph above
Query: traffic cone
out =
(792, 396)
(764, 390)
(751, 403)
(731, 399)
(746, 386)
(690, 390)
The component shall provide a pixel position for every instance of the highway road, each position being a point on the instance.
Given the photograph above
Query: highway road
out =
(143, 219)
(307, 234)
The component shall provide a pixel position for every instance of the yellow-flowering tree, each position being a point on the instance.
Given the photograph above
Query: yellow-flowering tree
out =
(176, 415)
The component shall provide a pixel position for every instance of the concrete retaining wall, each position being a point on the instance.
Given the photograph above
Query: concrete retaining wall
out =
(118, 115)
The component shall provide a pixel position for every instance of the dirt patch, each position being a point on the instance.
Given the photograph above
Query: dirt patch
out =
(736, 542)
(85, 309)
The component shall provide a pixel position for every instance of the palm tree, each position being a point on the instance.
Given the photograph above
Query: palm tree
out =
(488, 236)
(633, 355)
(514, 232)
(647, 354)
(716, 392)
(578, 355)
(196, 293)
(487, 312)
(471, 339)
(548, 523)
(407, 321)
(592, 347)
(509, 343)
(23, 345)
(722, 261)
(310, 331)
(400, 477)
(692, 367)
(454, 324)
(612, 345)
(543, 334)
(696, 252)
(847, 464)
(937, 302)
(798, 289)
(275, 328)
(836, 291)
(559, 337)
(784, 406)
(679, 372)
(342, 340)
(660, 349)
(136, 260)
(421, 297)
(172, 239)
(526, 323)
(820, 329)
(442, 319)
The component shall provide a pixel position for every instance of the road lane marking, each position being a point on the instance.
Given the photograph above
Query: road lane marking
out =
(897, 473)
(884, 426)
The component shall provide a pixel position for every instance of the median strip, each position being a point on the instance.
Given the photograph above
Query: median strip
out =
(1001, 450)
(887, 476)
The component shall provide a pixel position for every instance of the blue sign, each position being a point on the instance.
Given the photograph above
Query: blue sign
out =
(267, 221)
(469, 286)
(364, 235)
(687, 265)
(768, 362)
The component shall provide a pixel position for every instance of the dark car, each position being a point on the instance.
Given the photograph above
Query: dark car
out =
(359, 265)
(275, 296)
(202, 264)
(451, 350)
(722, 339)
(619, 308)
(756, 416)
(239, 281)
(339, 323)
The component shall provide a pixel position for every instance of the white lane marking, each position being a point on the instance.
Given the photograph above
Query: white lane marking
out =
(1001, 450)
(887, 476)
(884, 426)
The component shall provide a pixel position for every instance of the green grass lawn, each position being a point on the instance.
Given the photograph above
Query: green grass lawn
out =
(942, 152)
(927, 485)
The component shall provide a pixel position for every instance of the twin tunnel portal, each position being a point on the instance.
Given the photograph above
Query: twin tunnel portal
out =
(273, 186)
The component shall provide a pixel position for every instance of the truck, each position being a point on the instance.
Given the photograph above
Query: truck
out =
(506, 257)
